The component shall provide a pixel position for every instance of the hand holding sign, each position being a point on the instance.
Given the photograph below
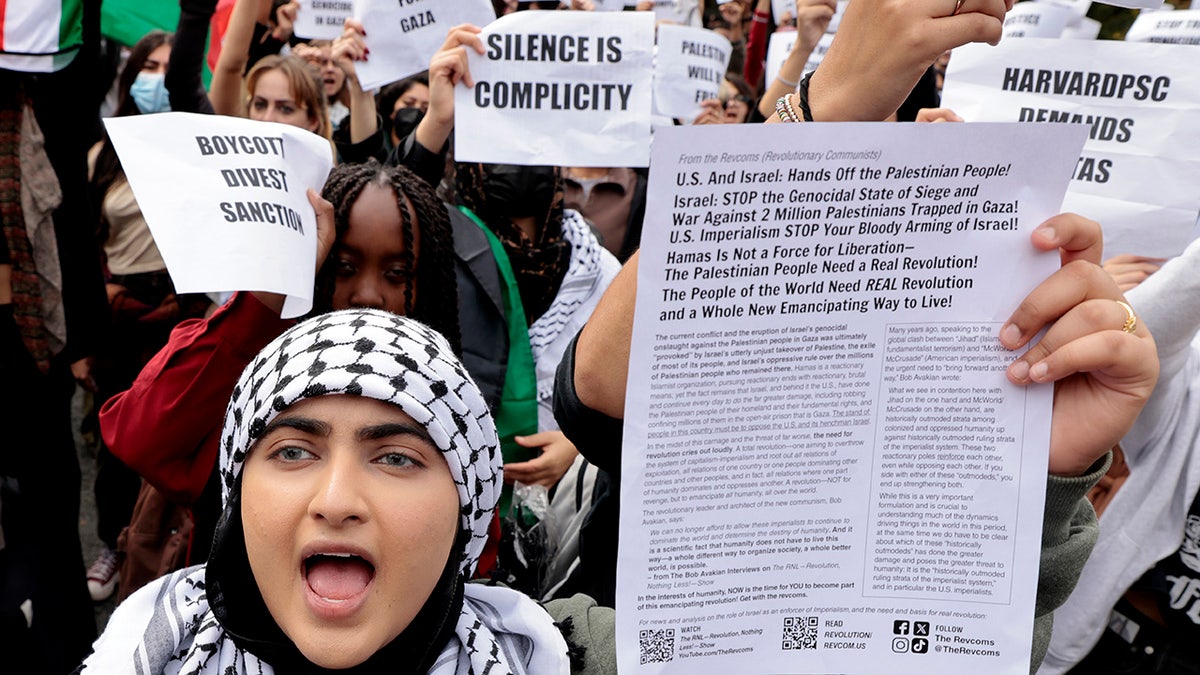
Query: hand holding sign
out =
(1103, 375)
(559, 88)
(243, 222)
(326, 234)
(447, 68)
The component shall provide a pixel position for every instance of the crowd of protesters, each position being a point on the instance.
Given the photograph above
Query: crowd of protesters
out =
(496, 306)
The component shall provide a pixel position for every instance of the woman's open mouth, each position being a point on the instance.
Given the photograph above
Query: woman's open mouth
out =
(337, 582)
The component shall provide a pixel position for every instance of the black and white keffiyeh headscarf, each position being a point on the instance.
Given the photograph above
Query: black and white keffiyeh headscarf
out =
(196, 621)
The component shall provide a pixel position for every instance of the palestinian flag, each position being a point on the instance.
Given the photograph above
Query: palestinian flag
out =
(40, 36)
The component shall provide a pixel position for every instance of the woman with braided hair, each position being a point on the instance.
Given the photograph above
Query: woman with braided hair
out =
(383, 243)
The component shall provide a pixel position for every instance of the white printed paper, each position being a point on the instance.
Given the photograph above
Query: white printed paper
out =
(779, 46)
(225, 199)
(1138, 171)
(1179, 28)
(403, 36)
(1135, 4)
(689, 68)
(783, 10)
(1086, 29)
(825, 469)
(1079, 8)
(686, 12)
(561, 88)
(1036, 19)
(322, 19)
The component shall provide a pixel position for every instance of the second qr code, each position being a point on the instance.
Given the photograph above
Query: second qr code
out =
(800, 632)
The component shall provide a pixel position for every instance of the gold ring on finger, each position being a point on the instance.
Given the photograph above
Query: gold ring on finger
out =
(1130, 318)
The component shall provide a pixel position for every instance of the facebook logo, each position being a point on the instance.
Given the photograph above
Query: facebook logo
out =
(900, 627)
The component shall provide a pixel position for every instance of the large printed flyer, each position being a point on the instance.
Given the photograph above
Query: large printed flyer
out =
(1138, 171)
(825, 468)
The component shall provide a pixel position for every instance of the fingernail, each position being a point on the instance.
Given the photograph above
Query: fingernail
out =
(1047, 233)
(1010, 335)
(1038, 371)
(1019, 371)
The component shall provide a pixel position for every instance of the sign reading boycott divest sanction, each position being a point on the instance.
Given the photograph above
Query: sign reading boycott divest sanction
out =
(562, 88)
(225, 199)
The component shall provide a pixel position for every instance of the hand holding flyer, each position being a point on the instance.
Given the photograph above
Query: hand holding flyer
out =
(867, 484)
(225, 199)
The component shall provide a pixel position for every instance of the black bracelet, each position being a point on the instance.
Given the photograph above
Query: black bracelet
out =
(803, 96)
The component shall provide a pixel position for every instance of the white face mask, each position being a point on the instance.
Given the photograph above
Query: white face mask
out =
(149, 93)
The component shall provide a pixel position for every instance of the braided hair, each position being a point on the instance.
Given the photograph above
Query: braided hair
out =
(436, 302)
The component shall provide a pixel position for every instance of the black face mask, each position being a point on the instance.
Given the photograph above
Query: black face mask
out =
(518, 191)
(405, 120)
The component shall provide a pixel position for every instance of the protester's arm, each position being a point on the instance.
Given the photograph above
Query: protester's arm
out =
(812, 18)
(447, 68)
(159, 426)
(226, 89)
(602, 350)
(1069, 531)
(883, 47)
(183, 79)
(350, 47)
(756, 43)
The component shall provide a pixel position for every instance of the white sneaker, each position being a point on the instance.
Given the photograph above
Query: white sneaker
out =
(102, 576)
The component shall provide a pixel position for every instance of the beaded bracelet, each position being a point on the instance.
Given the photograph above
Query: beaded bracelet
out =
(783, 108)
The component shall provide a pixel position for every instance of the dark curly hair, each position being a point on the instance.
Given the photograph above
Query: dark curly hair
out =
(436, 303)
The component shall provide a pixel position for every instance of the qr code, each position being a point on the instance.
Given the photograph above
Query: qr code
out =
(657, 646)
(800, 632)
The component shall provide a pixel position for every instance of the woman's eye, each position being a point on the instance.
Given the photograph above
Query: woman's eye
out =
(286, 109)
(399, 275)
(291, 453)
(259, 104)
(343, 268)
(398, 459)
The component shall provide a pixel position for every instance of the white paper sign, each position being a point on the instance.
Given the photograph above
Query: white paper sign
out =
(1079, 8)
(225, 200)
(1036, 19)
(825, 469)
(689, 68)
(1134, 4)
(779, 46)
(403, 36)
(1138, 171)
(783, 9)
(561, 88)
(1179, 28)
(686, 12)
(322, 19)
(1086, 29)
